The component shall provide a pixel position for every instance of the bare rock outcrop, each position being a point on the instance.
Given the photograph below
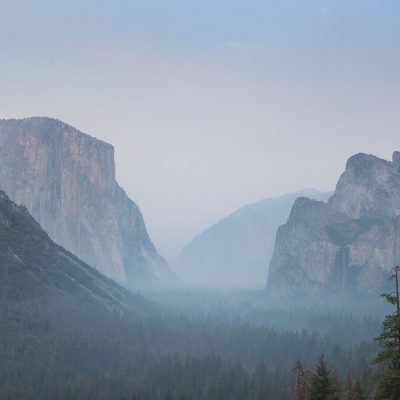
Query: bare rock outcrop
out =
(369, 186)
(235, 252)
(349, 244)
(66, 179)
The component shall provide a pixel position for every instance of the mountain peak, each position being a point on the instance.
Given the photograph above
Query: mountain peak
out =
(349, 243)
(370, 186)
(48, 126)
(363, 162)
(396, 157)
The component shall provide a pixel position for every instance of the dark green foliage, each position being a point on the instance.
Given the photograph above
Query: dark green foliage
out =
(389, 378)
(33, 266)
(66, 332)
(51, 349)
(323, 384)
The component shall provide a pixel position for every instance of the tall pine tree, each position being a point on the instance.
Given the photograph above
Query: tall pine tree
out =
(389, 357)
(323, 384)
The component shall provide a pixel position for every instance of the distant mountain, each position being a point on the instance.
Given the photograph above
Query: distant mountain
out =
(66, 179)
(236, 251)
(33, 267)
(349, 244)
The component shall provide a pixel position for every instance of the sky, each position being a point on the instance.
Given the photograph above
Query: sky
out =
(210, 104)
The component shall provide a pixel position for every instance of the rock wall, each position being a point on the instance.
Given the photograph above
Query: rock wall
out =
(349, 244)
(235, 252)
(66, 179)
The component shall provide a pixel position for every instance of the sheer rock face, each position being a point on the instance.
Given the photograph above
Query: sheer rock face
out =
(66, 179)
(349, 244)
(369, 186)
(235, 252)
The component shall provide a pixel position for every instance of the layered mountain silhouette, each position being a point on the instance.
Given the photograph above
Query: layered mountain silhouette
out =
(236, 250)
(66, 179)
(33, 267)
(66, 330)
(349, 244)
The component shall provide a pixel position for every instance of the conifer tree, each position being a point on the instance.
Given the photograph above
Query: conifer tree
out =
(389, 357)
(323, 384)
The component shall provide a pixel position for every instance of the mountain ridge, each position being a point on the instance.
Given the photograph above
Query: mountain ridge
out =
(33, 266)
(237, 246)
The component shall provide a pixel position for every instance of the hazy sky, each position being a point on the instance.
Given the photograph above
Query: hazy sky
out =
(210, 104)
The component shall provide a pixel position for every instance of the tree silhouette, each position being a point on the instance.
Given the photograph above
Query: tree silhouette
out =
(323, 384)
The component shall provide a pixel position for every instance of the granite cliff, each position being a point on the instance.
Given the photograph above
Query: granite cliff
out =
(66, 179)
(349, 244)
(236, 250)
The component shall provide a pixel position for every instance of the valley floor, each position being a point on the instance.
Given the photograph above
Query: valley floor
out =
(192, 345)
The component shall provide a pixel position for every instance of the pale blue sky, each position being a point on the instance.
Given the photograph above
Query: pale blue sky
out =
(210, 104)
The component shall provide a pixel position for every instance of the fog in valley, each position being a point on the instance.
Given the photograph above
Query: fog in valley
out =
(199, 200)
